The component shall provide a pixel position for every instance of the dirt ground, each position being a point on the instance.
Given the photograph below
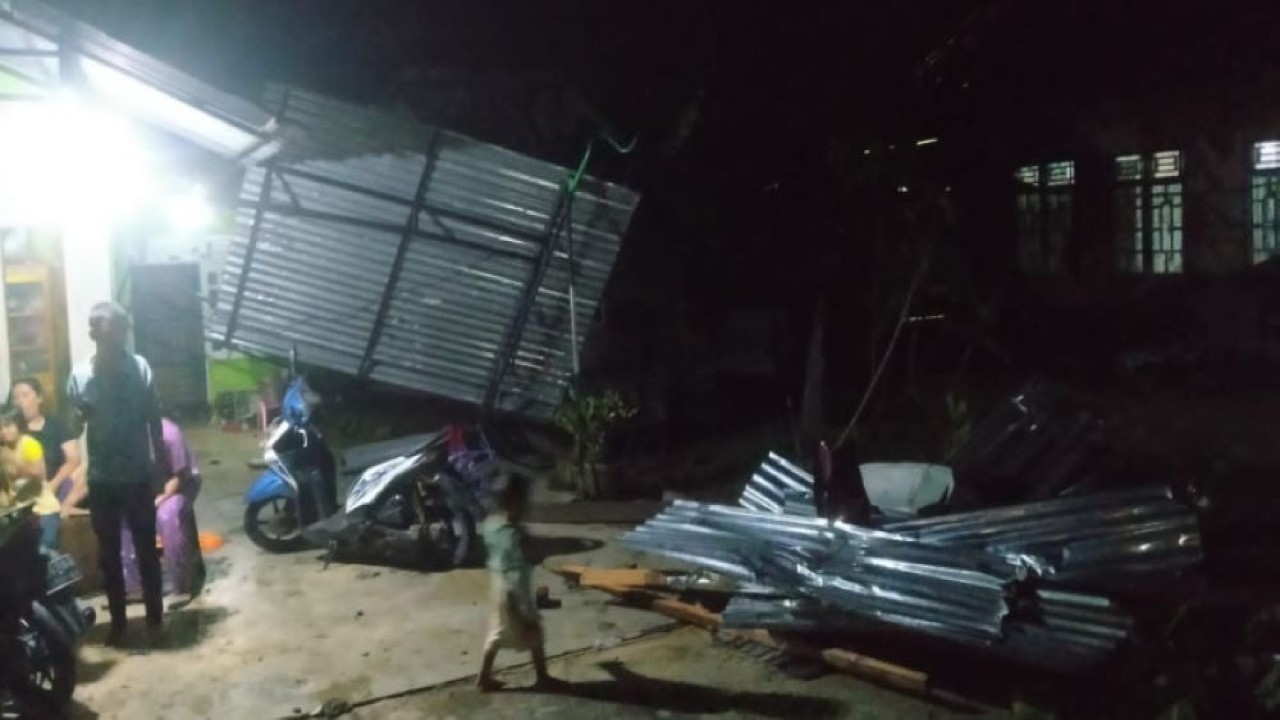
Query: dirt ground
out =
(274, 635)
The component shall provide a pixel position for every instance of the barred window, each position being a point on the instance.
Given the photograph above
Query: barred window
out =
(1044, 207)
(1265, 200)
(1149, 212)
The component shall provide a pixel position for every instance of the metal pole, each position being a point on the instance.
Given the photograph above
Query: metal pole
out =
(397, 265)
(573, 298)
(255, 231)
(511, 341)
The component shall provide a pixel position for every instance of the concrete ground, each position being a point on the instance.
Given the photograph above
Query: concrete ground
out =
(273, 635)
(679, 674)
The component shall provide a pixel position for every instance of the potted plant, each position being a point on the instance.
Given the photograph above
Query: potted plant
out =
(588, 419)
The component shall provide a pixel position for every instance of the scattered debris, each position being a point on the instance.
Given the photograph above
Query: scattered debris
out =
(777, 484)
(1036, 571)
(762, 645)
(1102, 538)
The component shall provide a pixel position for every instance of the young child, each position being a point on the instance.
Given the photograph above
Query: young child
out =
(28, 482)
(514, 623)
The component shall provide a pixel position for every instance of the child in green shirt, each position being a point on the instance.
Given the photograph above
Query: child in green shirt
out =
(514, 623)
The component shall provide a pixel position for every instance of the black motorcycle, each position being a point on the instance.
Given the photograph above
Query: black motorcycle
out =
(40, 621)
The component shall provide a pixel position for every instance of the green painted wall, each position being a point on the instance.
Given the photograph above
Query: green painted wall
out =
(237, 374)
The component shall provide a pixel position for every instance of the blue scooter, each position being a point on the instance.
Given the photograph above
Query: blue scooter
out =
(422, 495)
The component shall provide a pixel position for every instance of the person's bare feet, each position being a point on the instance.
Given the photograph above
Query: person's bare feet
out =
(488, 684)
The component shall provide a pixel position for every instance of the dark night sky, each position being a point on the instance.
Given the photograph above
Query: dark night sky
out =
(770, 69)
(635, 60)
(781, 80)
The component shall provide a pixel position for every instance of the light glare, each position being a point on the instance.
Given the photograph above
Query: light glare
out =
(66, 161)
(189, 212)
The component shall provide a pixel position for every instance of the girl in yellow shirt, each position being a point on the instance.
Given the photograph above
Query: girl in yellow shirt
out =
(29, 482)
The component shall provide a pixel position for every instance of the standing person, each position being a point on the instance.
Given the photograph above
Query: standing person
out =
(115, 396)
(29, 471)
(181, 562)
(61, 450)
(514, 623)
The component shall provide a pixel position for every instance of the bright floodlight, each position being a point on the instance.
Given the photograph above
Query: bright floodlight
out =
(189, 212)
(66, 161)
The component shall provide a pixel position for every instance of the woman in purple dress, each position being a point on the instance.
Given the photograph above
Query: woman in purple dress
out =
(183, 566)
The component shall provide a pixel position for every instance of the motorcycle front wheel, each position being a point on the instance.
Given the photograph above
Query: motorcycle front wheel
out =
(274, 525)
(43, 677)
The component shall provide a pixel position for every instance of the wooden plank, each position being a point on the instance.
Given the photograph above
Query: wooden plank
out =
(591, 576)
(845, 661)
(867, 668)
(880, 671)
(631, 577)
(569, 569)
(686, 612)
(664, 603)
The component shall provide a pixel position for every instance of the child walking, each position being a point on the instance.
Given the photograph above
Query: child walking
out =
(514, 623)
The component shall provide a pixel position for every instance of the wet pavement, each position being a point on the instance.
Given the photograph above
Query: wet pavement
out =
(676, 675)
(273, 634)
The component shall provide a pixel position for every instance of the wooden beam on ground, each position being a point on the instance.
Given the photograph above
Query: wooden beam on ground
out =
(569, 570)
(636, 587)
(624, 577)
(871, 669)
(895, 676)
(666, 604)
(596, 577)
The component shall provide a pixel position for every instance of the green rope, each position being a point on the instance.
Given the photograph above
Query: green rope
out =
(571, 183)
(570, 189)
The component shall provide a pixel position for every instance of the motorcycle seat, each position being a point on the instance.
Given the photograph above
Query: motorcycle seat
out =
(358, 458)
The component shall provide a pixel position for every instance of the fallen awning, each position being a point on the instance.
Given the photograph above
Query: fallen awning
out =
(387, 249)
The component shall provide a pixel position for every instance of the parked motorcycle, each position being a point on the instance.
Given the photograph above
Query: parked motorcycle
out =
(421, 494)
(40, 620)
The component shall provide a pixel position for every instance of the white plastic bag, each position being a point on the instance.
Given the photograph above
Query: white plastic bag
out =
(904, 488)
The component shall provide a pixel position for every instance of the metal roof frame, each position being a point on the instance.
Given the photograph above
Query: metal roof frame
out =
(401, 253)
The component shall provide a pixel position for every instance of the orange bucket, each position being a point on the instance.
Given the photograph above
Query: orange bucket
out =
(209, 542)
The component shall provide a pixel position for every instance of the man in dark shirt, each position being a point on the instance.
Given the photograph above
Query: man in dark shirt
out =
(114, 394)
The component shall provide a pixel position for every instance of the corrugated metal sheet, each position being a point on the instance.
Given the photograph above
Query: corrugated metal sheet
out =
(318, 260)
(778, 486)
(35, 39)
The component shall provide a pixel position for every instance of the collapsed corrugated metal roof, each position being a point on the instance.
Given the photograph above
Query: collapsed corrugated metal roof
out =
(385, 248)
(45, 51)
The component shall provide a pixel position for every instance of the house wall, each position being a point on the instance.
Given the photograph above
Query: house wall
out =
(1220, 304)
(95, 270)
(84, 274)
(90, 278)
(228, 371)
